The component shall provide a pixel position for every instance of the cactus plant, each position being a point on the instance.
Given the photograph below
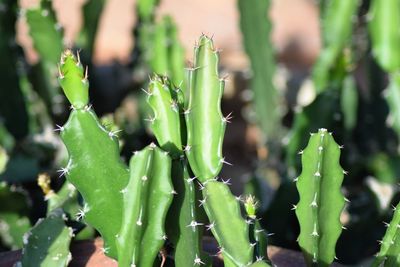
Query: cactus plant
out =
(256, 28)
(389, 254)
(94, 157)
(321, 201)
(147, 198)
(47, 243)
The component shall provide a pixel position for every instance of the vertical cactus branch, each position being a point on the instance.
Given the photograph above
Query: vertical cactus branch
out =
(204, 121)
(184, 228)
(337, 26)
(257, 235)
(256, 28)
(92, 11)
(389, 254)
(227, 224)
(94, 166)
(321, 201)
(147, 198)
(47, 244)
(166, 119)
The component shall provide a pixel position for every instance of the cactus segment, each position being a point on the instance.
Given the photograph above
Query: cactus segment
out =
(73, 80)
(166, 119)
(393, 99)
(260, 264)
(146, 9)
(227, 224)
(385, 35)
(204, 121)
(337, 28)
(389, 254)
(94, 166)
(48, 243)
(321, 201)
(147, 198)
(46, 34)
(257, 235)
(256, 28)
(184, 229)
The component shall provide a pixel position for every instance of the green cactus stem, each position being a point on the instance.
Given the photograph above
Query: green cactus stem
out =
(321, 201)
(47, 244)
(204, 120)
(389, 254)
(166, 119)
(227, 224)
(257, 235)
(337, 25)
(147, 198)
(184, 228)
(94, 166)
(256, 29)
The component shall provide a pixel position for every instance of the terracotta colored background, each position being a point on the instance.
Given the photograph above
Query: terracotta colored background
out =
(295, 33)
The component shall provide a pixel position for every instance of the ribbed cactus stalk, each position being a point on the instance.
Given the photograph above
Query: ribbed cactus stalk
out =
(184, 224)
(166, 119)
(147, 198)
(227, 224)
(389, 254)
(257, 235)
(256, 29)
(337, 26)
(204, 120)
(321, 201)
(47, 243)
(94, 166)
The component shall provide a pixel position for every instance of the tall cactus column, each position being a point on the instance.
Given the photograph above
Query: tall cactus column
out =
(94, 166)
(205, 132)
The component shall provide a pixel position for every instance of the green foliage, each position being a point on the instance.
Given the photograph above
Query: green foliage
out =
(146, 9)
(147, 198)
(256, 29)
(204, 121)
(47, 244)
(321, 201)
(93, 159)
(389, 254)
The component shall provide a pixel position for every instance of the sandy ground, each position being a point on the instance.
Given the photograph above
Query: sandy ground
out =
(295, 34)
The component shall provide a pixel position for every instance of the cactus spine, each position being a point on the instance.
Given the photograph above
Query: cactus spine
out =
(204, 121)
(321, 201)
(389, 254)
(93, 157)
(147, 198)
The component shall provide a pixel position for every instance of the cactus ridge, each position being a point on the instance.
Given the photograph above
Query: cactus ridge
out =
(204, 120)
(321, 201)
(147, 198)
(389, 254)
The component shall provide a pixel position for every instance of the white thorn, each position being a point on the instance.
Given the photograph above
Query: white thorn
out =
(173, 192)
(194, 224)
(314, 202)
(144, 178)
(202, 202)
(210, 226)
(294, 207)
(147, 92)
(197, 261)
(139, 222)
(58, 128)
(63, 171)
(113, 133)
(317, 174)
(187, 148)
(227, 182)
(223, 161)
(227, 118)
(300, 152)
